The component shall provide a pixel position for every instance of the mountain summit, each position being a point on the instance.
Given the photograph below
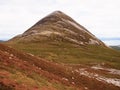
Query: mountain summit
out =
(57, 26)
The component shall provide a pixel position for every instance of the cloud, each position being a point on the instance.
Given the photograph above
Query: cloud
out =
(101, 17)
(112, 42)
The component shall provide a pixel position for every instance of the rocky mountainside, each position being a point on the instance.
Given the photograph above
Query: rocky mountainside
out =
(57, 26)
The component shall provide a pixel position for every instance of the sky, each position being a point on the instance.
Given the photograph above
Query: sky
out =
(100, 17)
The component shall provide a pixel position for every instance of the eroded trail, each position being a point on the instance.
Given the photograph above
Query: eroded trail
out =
(99, 73)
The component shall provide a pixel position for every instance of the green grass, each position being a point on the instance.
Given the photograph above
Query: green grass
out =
(62, 52)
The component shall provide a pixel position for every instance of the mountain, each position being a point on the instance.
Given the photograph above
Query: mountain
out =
(58, 27)
(67, 55)
(1, 41)
(116, 47)
(57, 37)
(20, 70)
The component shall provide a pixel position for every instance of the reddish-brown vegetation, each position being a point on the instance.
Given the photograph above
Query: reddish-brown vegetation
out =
(28, 64)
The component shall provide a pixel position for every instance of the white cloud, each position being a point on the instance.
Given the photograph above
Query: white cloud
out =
(101, 17)
(112, 42)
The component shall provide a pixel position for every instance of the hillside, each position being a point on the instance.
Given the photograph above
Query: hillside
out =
(70, 53)
(20, 70)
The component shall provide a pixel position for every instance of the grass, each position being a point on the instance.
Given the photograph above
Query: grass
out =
(60, 87)
(52, 77)
(61, 52)
(30, 81)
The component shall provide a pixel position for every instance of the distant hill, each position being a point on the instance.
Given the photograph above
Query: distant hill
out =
(116, 47)
(1, 41)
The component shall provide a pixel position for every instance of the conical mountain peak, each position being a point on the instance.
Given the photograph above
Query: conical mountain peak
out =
(54, 17)
(57, 12)
(58, 26)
